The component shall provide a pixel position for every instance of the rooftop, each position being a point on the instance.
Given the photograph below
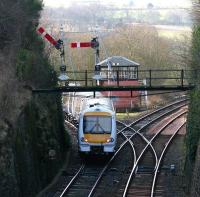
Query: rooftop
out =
(117, 61)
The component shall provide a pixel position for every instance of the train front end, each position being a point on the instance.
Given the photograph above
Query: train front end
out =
(97, 131)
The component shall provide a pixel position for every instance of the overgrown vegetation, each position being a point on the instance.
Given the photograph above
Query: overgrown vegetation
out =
(193, 117)
(41, 143)
(193, 126)
(33, 140)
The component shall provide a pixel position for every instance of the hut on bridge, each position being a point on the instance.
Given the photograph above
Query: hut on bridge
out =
(118, 70)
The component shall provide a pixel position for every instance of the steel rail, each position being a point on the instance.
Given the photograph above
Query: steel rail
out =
(154, 112)
(105, 167)
(112, 158)
(123, 144)
(78, 171)
(69, 123)
(146, 140)
(132, 146)
(161, 157)
(83, 165)
(143, 151)
(72, 180)
(155, 119)
(157, 110)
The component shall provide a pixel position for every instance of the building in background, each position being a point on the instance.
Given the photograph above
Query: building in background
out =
(118, 70)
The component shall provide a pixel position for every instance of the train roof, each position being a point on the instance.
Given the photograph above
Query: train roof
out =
(118, 61)
(101, 102)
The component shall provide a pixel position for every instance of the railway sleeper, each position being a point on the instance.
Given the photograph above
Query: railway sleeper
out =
(145, 169)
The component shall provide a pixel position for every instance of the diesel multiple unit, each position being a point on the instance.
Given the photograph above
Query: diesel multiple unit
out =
(97, 127)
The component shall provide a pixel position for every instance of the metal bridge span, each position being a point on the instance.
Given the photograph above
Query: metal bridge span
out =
(112, 88)
(155, 80)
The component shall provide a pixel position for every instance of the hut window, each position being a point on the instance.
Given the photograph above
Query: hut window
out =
(132, 72)
(104, 72)
(123, 73)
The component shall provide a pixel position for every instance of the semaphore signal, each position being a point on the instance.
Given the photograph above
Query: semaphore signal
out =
(59, 45)
(94, 43)
(48, 37)
(80, 44)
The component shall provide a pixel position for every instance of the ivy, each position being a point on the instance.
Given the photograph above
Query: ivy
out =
(40, 127)
(193, 126)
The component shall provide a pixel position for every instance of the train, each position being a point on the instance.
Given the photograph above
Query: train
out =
(97, 133)
(97, 127)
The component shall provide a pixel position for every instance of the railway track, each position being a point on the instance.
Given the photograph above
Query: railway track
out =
(132, 136)
(156, 172)
(141, 181)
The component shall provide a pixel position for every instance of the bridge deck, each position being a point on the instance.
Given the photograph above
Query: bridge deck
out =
(118, 80)
(111, 88)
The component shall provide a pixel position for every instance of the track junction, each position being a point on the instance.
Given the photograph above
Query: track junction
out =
(136, 167)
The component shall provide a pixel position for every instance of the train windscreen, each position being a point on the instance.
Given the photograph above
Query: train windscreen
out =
(97, 124)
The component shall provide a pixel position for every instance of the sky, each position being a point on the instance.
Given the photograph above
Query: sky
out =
(138, 3)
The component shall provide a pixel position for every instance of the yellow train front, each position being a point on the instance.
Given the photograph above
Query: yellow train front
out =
(97, 127)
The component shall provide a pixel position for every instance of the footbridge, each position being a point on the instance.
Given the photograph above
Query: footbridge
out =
(119, 80)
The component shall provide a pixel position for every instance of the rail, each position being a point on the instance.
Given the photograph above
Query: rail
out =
(142, 153)
(161, 157)
(128, 139)
(72, 180)
(124, 143)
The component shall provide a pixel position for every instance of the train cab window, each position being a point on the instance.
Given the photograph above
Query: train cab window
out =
(97, 124)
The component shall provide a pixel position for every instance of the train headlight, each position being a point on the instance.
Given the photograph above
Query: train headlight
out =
(84, 139)
(110, 140)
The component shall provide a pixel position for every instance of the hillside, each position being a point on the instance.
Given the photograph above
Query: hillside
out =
(31, 126)
(193, 128)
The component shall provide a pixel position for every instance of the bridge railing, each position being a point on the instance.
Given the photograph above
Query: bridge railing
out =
(151, 77)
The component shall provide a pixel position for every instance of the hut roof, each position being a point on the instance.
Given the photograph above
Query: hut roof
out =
(117, 61)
